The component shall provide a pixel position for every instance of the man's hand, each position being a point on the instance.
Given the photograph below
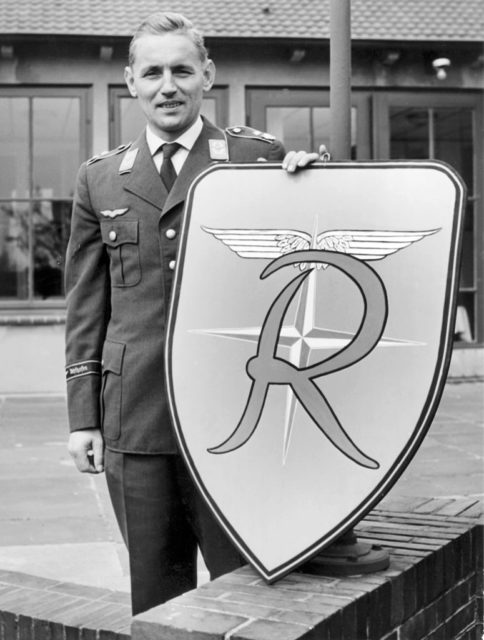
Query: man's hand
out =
(87, 450)
(294, 160)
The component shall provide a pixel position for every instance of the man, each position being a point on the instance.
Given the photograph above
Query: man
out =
(119, 273)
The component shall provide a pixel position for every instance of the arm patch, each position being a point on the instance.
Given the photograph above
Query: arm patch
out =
(83, 368)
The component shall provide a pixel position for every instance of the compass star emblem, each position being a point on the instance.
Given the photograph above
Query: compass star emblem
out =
(303, 338)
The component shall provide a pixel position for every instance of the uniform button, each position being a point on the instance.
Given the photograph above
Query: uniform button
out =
(113, 235)
(170, 234)
(172, 264)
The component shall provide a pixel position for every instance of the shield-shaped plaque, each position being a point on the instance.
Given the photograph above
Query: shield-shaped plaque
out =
(308, 343)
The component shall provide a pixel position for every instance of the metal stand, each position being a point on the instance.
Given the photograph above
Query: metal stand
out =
(347, 557)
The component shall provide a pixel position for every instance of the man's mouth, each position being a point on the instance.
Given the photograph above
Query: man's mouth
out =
(170, 105)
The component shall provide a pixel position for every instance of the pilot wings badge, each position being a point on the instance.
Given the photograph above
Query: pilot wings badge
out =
(308, 342)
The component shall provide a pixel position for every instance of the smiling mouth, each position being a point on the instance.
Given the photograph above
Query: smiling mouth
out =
(170, 105)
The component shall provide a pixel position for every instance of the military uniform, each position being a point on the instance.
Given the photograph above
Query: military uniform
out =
(119, 274)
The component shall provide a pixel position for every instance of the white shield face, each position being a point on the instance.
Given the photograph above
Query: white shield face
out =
(308, 342)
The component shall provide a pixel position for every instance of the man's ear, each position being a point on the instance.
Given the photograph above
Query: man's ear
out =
(129, 79)
(209, 75)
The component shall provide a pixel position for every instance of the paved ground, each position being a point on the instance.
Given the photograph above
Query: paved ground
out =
(57, 523)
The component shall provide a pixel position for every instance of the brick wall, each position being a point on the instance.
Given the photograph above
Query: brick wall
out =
(432, 590)
(33, 608)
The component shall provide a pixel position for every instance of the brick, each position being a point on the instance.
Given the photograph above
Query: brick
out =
(77, 614)
(265, 630)
(349, 621)
(24, 627)
(457, 507)
(34, 602)
(435, 575)
(379, 611)
(409, 593)
(103, 616)
(13, 598)
(435, 505)
(54, 606)
(450, 561)
(362, 608)
(438, 634)
(307, 582)
(477, 536)
(306, 618)
(460, 620)
(171, 621)
(236, 578)
(226, 606)
(271, 597)
(87, 634)
(71, 632)
(120, 597)
(414, 628)
(56, 631)
(80, 590)
(8, 626)
(41, 629)
(397, 606)
(331, 628)
(105, 634)
(26, 580)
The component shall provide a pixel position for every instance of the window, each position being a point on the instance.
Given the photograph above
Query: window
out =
(301, 118)
(443, 127)
(42, 144)
(127, 119)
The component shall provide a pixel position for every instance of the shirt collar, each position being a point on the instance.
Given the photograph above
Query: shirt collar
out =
(186, 140)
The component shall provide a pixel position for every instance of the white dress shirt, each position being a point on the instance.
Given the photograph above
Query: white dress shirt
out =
(186, 142)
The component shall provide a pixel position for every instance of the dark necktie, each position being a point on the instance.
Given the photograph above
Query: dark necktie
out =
(167, 171)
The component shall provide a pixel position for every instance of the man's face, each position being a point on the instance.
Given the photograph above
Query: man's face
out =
(169, 80)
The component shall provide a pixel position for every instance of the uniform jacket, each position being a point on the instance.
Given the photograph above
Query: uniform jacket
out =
(119, 273)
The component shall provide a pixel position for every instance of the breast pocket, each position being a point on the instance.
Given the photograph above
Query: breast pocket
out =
(112, 388)
(121, 238)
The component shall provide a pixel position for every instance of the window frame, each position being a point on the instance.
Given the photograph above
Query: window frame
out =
(31, 92)
(382, 102)
(258, 99)
(118, 92)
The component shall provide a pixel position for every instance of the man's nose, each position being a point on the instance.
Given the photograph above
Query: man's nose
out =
(168, 86)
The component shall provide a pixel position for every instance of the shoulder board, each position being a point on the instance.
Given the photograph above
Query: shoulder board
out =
(248, 132)
(108, 154)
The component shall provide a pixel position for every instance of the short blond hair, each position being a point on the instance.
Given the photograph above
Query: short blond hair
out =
(161, 23)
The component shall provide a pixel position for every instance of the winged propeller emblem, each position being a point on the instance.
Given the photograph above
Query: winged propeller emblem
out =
(272, 243)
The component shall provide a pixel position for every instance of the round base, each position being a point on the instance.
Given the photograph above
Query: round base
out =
(348, 560)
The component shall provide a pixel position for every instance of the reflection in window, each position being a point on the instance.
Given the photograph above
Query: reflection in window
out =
(305, 127)
(40, 152)
(55, 138)
(14, 147)
(14, 250)
(444, 133)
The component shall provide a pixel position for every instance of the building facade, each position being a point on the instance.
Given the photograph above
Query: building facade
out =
(417, 93)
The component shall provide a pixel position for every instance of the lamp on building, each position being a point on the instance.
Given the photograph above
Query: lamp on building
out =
(105, 53)
(391, 57)
(6, 52)
(297, 55)
(440, 66)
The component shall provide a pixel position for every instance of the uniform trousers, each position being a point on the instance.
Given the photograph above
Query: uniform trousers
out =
(163, 520)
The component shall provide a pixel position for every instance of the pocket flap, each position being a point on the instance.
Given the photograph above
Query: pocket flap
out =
(113, 354)
(115, 233)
